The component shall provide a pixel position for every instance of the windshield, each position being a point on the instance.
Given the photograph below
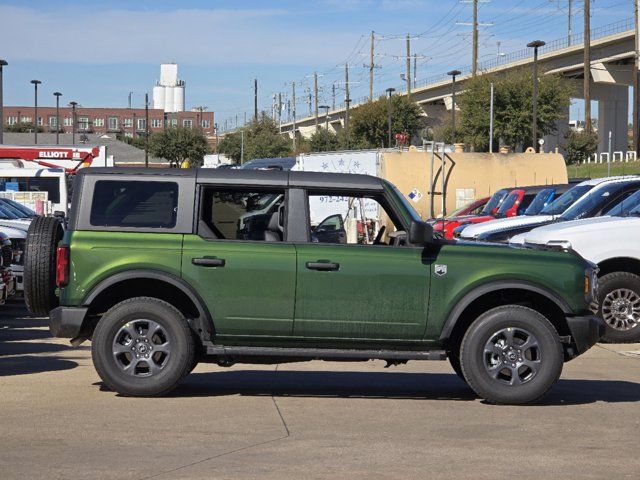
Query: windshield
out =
(597, 199)
(511, 199)
(540, 201)
(21, 208)
(626, 206)
(266, 200)
(403, 205)
(7, 214)
(457, 211)
(564, 201)
(495, 201)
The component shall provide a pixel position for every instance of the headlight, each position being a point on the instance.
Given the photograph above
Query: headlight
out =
(591, 285)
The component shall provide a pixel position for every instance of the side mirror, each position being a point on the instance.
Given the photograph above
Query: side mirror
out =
(58, 214)
(420, 233)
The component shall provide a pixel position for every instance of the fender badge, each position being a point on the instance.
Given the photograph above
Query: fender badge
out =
(441, 270)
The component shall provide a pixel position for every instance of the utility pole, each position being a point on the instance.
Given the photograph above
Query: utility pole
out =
(293, 105)
(587, 65)
(146, 130)
(474, 61)
(309, 103)
(279, 113)
(408, 60)
(636, 79)
(415, 69)
(130, 93)
(371, 67)
(255, 100)
(570, 23)
(315, 96)
(347, 101)
(333, 96)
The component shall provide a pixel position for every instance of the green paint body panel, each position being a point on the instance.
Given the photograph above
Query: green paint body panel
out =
(253, 294)
(95, 256)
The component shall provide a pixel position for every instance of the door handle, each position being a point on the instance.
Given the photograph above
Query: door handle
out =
(208, 262)
(323, 266)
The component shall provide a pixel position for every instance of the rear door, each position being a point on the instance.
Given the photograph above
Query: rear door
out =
(240, 263)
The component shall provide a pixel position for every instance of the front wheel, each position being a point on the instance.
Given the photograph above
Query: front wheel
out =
(511, 355)
(619, 307)
(143, 347)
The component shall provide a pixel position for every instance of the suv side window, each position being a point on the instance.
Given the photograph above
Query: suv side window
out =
(142, 204)
(347, 219)
(235, 214)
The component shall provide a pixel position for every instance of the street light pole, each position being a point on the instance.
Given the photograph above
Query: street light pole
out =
(3, 63)
(534, 132)
(35, 110)
(57, 95)
(389, 91)
(454, 74)
(73, 122)
(326, 125)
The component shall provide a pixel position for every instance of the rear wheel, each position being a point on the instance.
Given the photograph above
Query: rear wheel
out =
(43, 237)
(619, 306)
(143, 347)
(511, 355)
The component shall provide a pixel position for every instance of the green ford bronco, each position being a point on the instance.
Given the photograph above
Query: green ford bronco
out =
(161, 269)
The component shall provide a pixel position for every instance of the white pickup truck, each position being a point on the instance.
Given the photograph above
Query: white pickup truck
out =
(613, 243)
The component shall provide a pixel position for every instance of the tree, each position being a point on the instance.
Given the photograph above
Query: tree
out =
(261, 140)
(22, 127)
(178, 144)
(369, 122)
(513, 112)
(579, 146)
(323, 141)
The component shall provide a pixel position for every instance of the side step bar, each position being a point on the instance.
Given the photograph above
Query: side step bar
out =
(326, 353)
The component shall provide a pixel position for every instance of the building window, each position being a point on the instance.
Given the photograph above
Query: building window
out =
(142, 124)
(113, 123)
(98, 122)
(156, 122)
(53, 121)
(12, 120)
(127, 122)
(68, 121)
(40, 121)
(83, 123)
(187, 123)
(25, 119)
(205, 123)
(174, 122)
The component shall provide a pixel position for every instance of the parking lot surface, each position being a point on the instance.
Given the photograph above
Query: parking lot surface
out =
(306, 420)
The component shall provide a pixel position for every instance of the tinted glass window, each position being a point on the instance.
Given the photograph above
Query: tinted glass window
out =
(242, 215)
(629, 203)
(540, 201)
(495, 201)
(134, 204)
(507, 204)
(598, 199)
(565, 200)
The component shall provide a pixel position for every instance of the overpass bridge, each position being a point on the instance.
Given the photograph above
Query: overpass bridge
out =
(612, 61)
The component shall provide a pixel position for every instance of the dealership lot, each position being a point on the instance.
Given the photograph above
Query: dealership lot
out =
(313, 420)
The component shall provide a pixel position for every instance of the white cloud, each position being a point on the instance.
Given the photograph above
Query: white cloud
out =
(197, 37)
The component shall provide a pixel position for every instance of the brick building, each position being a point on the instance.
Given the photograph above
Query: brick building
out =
(127, 121)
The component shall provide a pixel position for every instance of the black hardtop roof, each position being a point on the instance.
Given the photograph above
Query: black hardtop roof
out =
(258, 178)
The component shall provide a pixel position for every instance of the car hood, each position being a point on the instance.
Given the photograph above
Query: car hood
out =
(13, 231)
(472, 231)
(594, 227)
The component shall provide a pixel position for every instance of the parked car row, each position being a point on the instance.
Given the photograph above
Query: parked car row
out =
(600, 220)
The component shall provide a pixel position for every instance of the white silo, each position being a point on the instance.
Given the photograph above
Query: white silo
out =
(168, 94)
(178, 98)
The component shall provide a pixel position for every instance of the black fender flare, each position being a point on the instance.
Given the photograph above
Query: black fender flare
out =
(474, 294)
(205, 321)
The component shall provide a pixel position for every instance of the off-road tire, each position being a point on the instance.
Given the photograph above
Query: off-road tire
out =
(40, 264)
(484, 328)
(128, 312)
(607, 284)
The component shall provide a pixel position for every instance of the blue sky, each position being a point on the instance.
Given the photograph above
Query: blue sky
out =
(95, 52)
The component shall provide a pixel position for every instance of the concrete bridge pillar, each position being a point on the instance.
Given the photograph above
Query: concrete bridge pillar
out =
(613, 115)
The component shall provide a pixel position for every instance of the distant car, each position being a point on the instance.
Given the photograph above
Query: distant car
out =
(618, 260)
(14, 223)
(592, 198)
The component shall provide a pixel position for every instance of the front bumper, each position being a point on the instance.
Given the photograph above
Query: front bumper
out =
(67, 322)
(585, 332)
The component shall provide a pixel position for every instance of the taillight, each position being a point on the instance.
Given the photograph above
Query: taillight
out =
(62, 266)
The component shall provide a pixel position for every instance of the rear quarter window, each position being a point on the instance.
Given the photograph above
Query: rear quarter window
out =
(134, 204)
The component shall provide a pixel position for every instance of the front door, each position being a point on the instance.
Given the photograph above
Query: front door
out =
(369, 287)
(240, 264)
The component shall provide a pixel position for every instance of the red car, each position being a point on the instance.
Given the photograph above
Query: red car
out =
(468, 212)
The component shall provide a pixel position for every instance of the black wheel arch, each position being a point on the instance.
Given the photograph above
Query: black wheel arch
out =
(152, 283)
(551, 299)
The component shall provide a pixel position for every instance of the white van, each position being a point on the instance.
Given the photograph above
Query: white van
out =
(43, 190)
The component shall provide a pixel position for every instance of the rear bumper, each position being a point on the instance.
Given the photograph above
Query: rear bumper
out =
(67, 322)
(585, 331)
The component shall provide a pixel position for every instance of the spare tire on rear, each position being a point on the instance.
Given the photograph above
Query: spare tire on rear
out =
(40, 264)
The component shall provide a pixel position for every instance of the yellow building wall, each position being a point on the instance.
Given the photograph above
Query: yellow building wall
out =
(469, 176)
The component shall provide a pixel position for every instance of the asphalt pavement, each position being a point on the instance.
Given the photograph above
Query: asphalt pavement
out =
(316, 420)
